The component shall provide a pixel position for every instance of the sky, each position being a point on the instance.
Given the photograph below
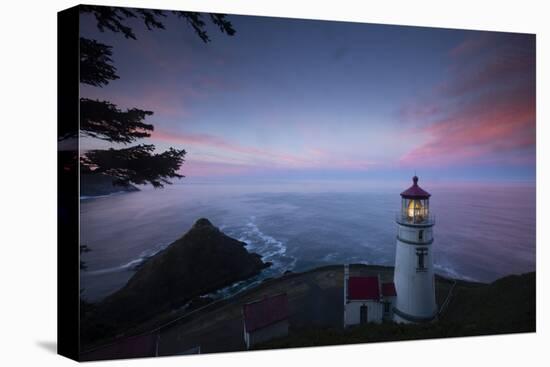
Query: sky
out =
(289, 98)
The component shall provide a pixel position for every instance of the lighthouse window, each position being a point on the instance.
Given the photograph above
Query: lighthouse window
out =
(416, 210)
(421, 235)
(420, 254)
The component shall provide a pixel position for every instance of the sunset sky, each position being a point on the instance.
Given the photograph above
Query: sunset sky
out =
(315, 99)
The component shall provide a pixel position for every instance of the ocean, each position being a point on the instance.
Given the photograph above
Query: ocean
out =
(482, 232)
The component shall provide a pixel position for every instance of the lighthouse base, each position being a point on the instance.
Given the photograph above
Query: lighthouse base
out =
(404, 318)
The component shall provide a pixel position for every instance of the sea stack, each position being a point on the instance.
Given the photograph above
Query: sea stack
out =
(414, 274)
(202, 261)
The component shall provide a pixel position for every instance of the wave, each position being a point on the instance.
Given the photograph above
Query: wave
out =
(236, 288)
(134, 264)
(331, 257)
(269, 248)
(453, 273)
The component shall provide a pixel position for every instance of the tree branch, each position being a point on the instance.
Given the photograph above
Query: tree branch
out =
(137, 164)
(103, 120)
(96, 66)
(114, 18)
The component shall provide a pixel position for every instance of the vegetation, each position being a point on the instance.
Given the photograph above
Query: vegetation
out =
(504, 306)
(200, 262)
(103, 120)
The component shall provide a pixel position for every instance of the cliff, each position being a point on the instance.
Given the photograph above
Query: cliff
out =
(315, 303)
(202, 261)
(101, 184)
(508, 305)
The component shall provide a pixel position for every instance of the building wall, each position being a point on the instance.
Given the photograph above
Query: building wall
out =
(415, 289)
(352, 312)
(412, 234)
(389, 315)
(276, 330)
(246, 337)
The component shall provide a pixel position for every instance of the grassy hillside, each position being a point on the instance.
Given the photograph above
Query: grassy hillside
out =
(504, 306)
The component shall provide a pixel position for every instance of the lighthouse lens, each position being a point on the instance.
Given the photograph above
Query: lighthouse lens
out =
(416, 211)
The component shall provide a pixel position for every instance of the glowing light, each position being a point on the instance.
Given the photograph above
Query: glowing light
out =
(416, 210)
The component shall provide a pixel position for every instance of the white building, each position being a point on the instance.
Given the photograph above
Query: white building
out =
(366, 299)
(414, 274)
(265, 319)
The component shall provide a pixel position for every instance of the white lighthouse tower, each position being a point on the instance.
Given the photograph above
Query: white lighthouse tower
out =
(414, 275)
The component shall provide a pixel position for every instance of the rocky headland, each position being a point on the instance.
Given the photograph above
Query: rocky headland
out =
(98, 184)
(201, 261)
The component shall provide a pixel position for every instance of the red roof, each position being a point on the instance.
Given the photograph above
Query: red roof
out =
(265, 312)
(363, 288)
(388, 289)
(415, 192)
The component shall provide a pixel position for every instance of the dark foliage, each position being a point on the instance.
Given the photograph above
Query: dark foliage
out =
(507, 305)
(96, 66)
(138, 164)
(195, 20)
(114, 19)
(103, 120)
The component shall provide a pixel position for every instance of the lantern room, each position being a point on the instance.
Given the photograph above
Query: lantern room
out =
(415, 204)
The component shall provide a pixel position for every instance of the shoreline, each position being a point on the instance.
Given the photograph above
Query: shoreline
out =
(323, 277)
(138, 262)
(315, 302)
(354, 232)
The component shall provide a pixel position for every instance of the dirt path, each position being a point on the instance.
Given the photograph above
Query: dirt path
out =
(315, 299)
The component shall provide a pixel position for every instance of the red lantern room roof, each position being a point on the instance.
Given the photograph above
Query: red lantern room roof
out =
(415, 192)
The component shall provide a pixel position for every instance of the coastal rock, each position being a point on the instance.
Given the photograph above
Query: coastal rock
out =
(200, 262)
(101, 184)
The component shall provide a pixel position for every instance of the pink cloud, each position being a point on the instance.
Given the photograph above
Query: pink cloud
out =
(198, 168)
(172, 99)
(485, 128)
(501, 69)
(220, 143)
(471, 45)
(166, 101)
(256, 159)
(256, 156)
(423, 111)
(487, 60)
(487, 112)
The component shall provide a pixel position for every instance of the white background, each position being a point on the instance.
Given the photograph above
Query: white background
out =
(28, 182)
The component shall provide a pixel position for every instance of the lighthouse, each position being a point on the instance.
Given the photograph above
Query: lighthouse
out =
(414, 275)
